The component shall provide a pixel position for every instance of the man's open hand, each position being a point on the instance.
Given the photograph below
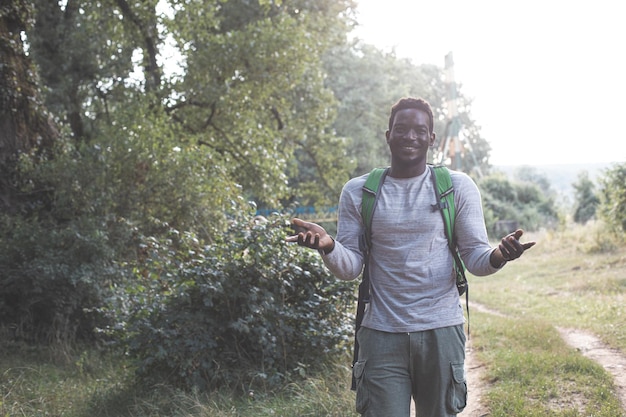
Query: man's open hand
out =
(510, 246)
(311, 235)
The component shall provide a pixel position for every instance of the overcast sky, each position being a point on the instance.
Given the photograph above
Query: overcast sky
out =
(546, 77)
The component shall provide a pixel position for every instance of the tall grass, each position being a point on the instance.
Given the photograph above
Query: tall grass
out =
(32, 384)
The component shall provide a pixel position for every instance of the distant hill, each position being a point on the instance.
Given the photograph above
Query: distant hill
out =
(561, 176)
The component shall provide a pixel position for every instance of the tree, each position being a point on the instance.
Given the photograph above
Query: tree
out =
(84, 51)
(247, 119)
(613, 197)
(232, 109)
(586, 200)
(531, 175)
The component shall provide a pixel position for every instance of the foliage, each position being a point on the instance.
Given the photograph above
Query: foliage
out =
(212, 68)
(586, 200)
(246, 311)
(529, 174)
(147, 176)
(252, 121)
(143, 150)
(57, 255)
(613, 198)
(25, 125)
(526, 203)
(53, 279)
(62, 254)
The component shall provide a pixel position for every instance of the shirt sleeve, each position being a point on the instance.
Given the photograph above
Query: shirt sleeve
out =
(470, 229)
(346, 260)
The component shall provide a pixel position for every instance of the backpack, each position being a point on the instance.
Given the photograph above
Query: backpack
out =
(444, 193)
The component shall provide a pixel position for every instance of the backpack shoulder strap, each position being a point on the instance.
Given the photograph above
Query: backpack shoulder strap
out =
(442, 182)
(444, 190)
(370, 196)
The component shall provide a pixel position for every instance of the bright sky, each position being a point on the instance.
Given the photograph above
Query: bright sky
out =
(546, 76)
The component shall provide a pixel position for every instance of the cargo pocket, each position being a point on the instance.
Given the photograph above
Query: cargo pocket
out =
(456, 398)
(362, 393)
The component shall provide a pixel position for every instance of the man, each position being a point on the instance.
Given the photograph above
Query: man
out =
(411, 339)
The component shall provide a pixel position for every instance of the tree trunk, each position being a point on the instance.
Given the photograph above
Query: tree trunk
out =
(25, 125)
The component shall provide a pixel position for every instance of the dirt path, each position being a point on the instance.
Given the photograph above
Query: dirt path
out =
(611, 359)
(476, 385)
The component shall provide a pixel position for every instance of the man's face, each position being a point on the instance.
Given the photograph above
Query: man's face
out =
(410, 137)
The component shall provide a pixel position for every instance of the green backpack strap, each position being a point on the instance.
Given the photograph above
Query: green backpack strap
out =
(368, 204)
(445, 197)
(370, 196)
(442, 182)
(445, 203)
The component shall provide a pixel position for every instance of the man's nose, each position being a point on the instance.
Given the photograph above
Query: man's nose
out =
(411, 134)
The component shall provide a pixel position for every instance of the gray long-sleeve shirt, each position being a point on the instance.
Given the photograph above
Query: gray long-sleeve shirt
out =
(412, 280)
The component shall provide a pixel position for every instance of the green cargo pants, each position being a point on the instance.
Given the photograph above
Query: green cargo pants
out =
(427, 365)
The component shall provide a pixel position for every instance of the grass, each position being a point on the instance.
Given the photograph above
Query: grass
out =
(35, 383)
(572, 278)
(566, 280)
(532, 372)
(39, 382)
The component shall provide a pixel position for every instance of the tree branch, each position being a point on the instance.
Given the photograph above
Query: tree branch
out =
(148, 31)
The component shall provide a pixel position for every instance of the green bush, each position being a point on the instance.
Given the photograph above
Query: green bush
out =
(247, 310)
(525, 202)
(53, 279)
(74, 235)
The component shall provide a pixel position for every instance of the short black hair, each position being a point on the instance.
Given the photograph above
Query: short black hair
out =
(412, 103)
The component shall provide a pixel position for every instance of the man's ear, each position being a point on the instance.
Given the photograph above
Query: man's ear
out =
(432, 139)
(387, 136)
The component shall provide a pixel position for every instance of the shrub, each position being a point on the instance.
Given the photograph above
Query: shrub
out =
(526, 203)
(69, 241)
(248, 309)
(53, 279)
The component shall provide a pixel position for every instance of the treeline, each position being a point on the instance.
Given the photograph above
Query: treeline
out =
(137, 141)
